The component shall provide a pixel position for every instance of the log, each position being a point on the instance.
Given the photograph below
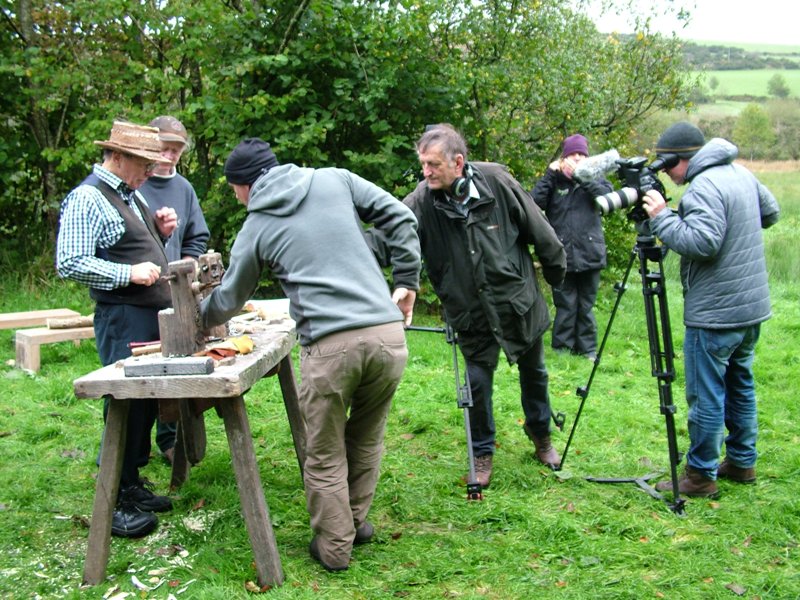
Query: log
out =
(148, 349)
(70, 322)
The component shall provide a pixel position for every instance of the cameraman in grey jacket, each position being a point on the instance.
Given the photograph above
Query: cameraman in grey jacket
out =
(717, 232)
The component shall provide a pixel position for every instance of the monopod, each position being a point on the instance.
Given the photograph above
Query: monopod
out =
(464, 401)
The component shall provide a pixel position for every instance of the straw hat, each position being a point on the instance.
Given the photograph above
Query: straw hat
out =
(138, 140)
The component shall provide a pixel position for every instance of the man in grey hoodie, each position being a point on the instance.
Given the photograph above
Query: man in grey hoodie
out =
(305, 226)
(717, 232)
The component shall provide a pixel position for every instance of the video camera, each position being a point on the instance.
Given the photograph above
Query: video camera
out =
(638, 178)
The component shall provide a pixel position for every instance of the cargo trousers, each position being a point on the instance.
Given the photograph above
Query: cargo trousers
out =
(348, 380)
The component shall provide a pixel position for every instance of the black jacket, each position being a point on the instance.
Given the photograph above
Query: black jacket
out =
(570, 208)
(481, 266)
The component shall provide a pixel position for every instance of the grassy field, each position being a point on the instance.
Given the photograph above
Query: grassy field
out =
(537, 534)
(751, 82)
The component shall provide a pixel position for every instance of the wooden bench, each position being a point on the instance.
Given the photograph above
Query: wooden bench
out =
(28, 342)
(34, 318)
(223, 389)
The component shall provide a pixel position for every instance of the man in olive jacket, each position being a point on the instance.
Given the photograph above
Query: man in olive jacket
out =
(475, 225)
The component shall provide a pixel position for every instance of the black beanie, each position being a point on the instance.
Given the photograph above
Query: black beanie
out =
(683, 139)
(248, 161)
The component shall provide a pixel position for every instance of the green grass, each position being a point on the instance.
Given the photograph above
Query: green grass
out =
(537, 534)
(751, 82)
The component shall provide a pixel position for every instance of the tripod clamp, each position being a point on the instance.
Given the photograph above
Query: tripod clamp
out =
(463, 401)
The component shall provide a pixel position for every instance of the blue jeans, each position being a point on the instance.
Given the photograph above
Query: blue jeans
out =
(533, 379)
(720, 392)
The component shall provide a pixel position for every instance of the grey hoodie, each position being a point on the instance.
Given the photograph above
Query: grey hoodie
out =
(717, 232)
(305, 225)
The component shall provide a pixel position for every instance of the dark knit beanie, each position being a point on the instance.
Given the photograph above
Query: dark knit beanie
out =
(575, 143)
(249, 161)
(683, 139)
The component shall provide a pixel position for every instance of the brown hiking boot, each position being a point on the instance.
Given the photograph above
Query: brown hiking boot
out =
(728, 470)
(483, 470)
(545, 453)
(692, 483)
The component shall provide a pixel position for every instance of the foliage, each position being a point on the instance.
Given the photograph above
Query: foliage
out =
(340, 83)
(753, 132)
(777, 86)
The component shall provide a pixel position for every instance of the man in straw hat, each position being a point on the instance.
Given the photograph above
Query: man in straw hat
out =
(110, 241)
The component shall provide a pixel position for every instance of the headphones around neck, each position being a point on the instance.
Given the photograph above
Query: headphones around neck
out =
(459, 189)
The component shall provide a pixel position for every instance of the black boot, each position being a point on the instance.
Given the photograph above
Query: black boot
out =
(132, 523)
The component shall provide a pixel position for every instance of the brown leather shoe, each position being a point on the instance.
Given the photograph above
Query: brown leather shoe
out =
(693, 484)
(545, 453)
(483, 470)
(728, 470)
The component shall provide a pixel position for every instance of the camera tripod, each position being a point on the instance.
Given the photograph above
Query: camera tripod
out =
(651, 262)
(464, 401)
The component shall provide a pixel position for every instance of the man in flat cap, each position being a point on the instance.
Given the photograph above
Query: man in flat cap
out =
(110, 241)
(305, 225)
(168, 188)
(717, 232)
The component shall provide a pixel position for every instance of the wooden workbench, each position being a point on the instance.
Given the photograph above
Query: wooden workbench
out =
(223, 389)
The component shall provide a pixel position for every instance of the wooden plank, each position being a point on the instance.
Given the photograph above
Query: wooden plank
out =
(45, 335)
(227, 380)
(28, 342)
(34, 318)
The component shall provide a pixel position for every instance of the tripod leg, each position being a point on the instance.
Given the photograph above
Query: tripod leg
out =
(583, 392)
(659, 331)
(659, 336)
(464, 399)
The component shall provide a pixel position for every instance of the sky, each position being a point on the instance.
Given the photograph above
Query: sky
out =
(743, 21)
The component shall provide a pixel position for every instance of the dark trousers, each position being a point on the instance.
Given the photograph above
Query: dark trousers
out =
(574, 326)
(115, 326)
(533, 380)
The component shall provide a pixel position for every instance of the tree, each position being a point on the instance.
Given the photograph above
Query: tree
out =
(753, 132)
(785, 118)
(777, 86)
(328, 82)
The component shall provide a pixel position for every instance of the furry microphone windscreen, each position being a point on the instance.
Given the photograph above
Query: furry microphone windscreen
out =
(595, 167)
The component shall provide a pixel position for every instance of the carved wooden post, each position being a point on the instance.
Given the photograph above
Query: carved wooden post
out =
(210, 275)
(180, 325)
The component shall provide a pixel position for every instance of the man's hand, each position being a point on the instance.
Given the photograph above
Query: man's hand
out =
(145, 273)
(166, 221)
(404, 298)
(653, 203)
